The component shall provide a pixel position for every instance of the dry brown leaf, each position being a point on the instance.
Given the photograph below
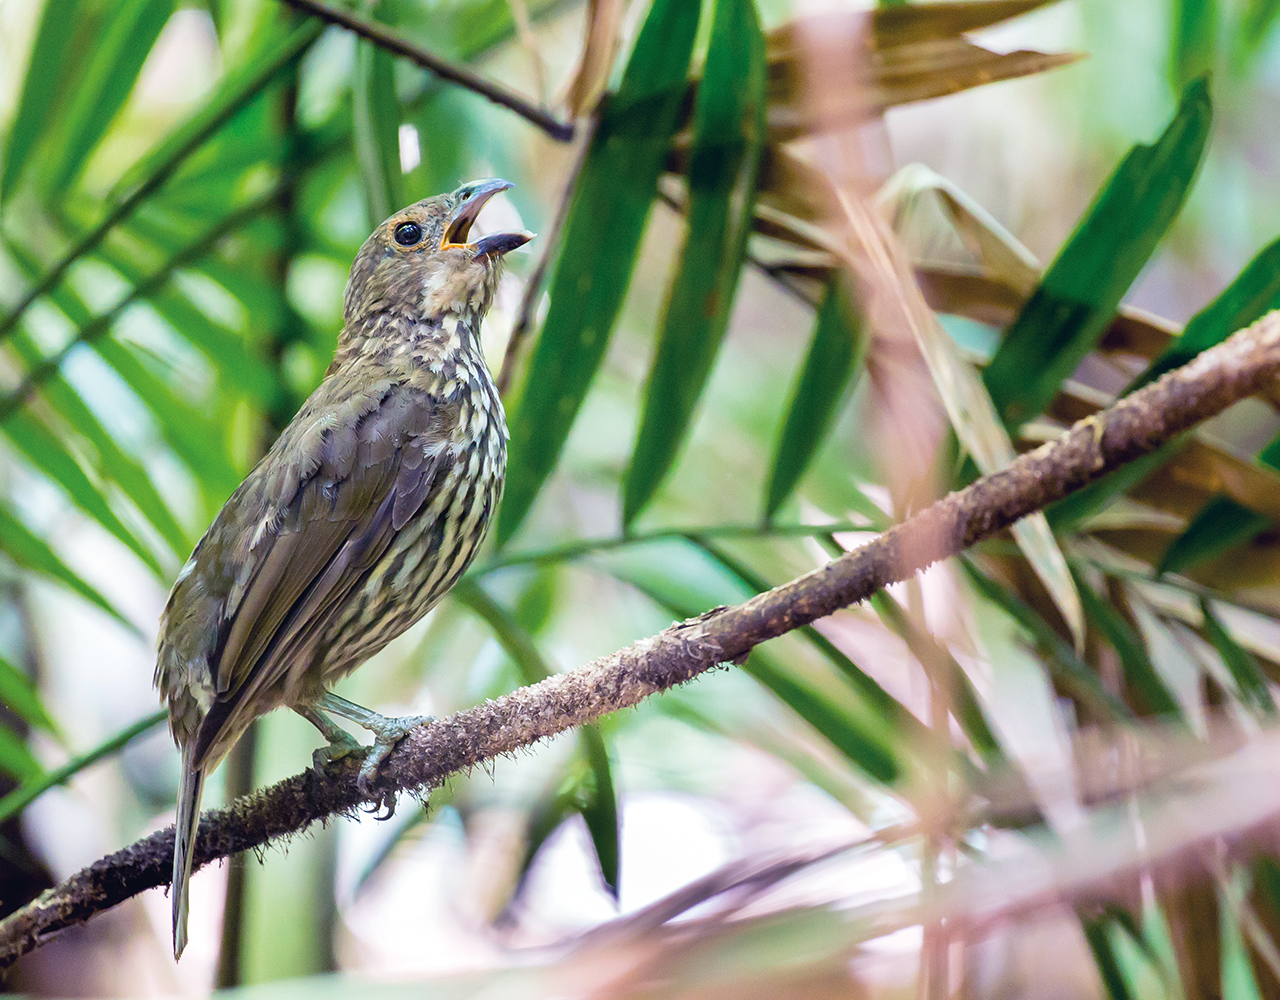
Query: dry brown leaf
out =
(599, 47)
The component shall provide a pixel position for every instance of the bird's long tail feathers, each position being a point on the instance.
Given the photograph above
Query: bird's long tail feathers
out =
(184, 844)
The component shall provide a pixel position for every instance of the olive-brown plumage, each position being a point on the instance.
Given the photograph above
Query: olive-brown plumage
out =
(365, 511)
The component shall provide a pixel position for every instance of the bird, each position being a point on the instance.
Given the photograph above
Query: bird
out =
(362, 515)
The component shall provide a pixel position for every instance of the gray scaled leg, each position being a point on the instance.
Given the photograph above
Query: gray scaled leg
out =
(341, 742)
(387, 732)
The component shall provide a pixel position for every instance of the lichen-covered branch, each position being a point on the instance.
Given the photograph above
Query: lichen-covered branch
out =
(432, 753)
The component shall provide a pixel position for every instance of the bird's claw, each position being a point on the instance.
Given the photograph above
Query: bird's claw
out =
(322, 757)
(387, 734)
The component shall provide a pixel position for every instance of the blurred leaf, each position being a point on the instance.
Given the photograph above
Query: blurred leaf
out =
(1220, 526)
(1104, 957)
(1066, 668)
(239, 87)
(376, 131)
(834, 356)
(15, 756)
(1081, 290)
(1195, 35)
(598, 251)
(45, 72)
(1248, 676)
(591, 75)
(1140, 675)
(113, 463)
(242, 371)
(728, 135)
(193, 437)
(1238, 982)
(593, 794)
(1255, 25)
(20, 697)
(44, 451)
(598, 804)
(863, 735)
(33, 553)
(108, 80)
(1253, 294)
(936, 658)
(37, 785)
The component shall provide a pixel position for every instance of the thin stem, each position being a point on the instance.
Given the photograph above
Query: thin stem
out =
(98, 326)
(551, 241)
(461, 75)
(29, 791)
(569, 551)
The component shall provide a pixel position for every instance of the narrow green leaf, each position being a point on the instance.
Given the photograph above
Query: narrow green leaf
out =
(598, 251)
(30, 552)
(728, 137)
(226, 350)
(935, 656)
(1076, 507)
(1140, 674)
(592, 794)
(598, 804)
(193, 437)
(113, 463)
(1220, 526)
(108, 80)
(870, 753)
(1078, 295)
(834, 356)
(1253, 294)
(45, 72)
(30, 790)
(1064, 666)
(867, 742)
(1255, 26)
(1194, 38)
(376, 131)
(1242, 665)
(20, 697)
(15, 756)
(1104, 956)
(44, 451)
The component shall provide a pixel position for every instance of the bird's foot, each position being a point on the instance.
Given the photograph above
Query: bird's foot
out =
(387, 732)
(322, 757)
(341, 742)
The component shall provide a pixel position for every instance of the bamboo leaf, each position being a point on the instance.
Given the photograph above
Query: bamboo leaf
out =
(30, 552)
(1061, 661)
(376, 125)
(46, 71)
(113, 463)
(728, 136)
(598, 252)
(15, 756)
(598, 804)
(1194, 37)
(1248, 676)
(833, 358)
(108, 80)
(46, 453)
(20, 697)
(1140, 675)
(1080, 292)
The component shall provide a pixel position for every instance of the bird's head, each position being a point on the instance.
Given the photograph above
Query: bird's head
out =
(420, 261)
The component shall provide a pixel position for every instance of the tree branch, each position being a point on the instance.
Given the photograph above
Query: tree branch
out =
(461, 75)
(430, 754)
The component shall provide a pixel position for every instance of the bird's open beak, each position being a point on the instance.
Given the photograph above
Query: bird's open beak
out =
(474, 197)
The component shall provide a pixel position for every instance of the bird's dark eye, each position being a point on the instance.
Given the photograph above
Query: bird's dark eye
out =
(408, 233)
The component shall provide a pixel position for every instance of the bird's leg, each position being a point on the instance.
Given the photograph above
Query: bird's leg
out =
(341, 742)
(387, 732)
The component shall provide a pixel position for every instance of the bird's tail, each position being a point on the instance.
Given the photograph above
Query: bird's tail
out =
(184, 844)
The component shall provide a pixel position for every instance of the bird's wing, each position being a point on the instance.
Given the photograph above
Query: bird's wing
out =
(334, 491)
